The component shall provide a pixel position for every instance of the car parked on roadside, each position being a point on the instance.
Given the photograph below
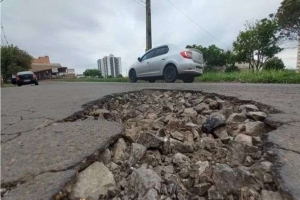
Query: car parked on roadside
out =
(13, 79)
(168, 62)
(25, 78)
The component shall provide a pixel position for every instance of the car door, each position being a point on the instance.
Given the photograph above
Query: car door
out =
(143, 66)
(158, 61)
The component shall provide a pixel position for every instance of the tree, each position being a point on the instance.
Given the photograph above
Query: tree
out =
(258, 43)
(14, 60)
(92, 73)
(213, 56)
(288, 17)
(274, 64)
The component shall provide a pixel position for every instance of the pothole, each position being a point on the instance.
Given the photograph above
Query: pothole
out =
(179, 145)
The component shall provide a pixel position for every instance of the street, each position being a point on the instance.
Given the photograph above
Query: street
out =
(30, 155)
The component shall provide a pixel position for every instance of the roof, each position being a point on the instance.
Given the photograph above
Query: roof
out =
(35, 67)
(24, 72)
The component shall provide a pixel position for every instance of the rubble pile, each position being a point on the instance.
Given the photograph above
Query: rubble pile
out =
(180, 145)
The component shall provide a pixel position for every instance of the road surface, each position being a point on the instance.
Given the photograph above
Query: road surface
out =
(33, 145)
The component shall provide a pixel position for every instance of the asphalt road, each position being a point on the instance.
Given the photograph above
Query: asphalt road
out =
(32, 142)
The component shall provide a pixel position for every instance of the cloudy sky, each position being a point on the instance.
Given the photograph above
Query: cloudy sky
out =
(76, 33)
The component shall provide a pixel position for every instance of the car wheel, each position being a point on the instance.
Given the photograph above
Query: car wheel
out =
(132, 76)
(19, 85)
(151, 80)
(170, 74)
(189, 79)
(36, 83)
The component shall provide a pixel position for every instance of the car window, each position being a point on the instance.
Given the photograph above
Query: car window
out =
(148, 55)
(161, 51)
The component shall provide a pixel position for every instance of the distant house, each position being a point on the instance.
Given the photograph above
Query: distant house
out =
(44, 69)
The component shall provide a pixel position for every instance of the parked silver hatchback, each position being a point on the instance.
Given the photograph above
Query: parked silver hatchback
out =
(168, 62)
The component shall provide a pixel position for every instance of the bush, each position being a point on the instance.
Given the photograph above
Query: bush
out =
(274, 64)
(109, 76)
(120, 76)
(232, 68)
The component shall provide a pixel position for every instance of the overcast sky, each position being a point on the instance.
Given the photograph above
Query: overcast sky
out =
(76, 33)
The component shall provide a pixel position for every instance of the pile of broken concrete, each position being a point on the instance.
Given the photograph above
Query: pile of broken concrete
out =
(180, 145)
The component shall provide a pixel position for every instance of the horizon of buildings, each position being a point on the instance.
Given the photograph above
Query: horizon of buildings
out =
(110, 66)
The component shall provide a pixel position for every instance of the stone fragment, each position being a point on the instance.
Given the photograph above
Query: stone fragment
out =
(228, 179)
(143, 180)
(181, 160)
(152, 158)
(214, 194)
(256, 128)
(190, 112)
(221, 132)
(238, 152)
(187, 95)
(152, 116)
(257, 116)
(236, 118)
(191, 124)
(151, 195)
(177, 135)
(269, 195)
(201, 188)
(150, 140)
(133, 133)
(202, 166)
(248, 108)
(137, 152)
(267, 178)
(189, 137)
(174, 123)
(93, 182)
(246, 139)
(105, 156)
(201, 107)
(119, 151)
(213, 121)
(249, 194)
(181, 147)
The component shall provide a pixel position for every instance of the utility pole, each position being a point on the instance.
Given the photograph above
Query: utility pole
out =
(148, 25)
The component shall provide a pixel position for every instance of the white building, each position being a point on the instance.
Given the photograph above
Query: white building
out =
(110, 66)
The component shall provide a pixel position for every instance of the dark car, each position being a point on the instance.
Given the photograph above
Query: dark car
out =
(25, 78)
(13, 79)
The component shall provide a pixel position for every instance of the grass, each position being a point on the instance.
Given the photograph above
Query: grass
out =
(94, 80)
(283, 76)
(6, 85)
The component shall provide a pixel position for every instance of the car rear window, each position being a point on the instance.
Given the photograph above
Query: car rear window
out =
(161, 51)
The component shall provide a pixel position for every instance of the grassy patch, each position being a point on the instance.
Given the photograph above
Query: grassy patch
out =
(94, 80)
(283, 76)
(6, 85)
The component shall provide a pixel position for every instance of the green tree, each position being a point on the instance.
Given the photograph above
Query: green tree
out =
(14, 60)
(288, 17)
(274, 64)
(213, 56)
(258, 43)
(92, 73)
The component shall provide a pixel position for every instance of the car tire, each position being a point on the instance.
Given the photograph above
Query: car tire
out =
(132, 76)
(36, 83)
(188, 79)
(151, 80)
(19, 85)
(170, 74)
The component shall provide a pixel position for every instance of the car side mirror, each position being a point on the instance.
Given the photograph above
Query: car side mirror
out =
(139, 59)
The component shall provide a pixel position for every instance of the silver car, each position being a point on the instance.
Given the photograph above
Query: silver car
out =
(168, 62)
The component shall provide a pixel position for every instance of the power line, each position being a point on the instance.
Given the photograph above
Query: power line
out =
(139, 3)
(2, 29)
(196, 23)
